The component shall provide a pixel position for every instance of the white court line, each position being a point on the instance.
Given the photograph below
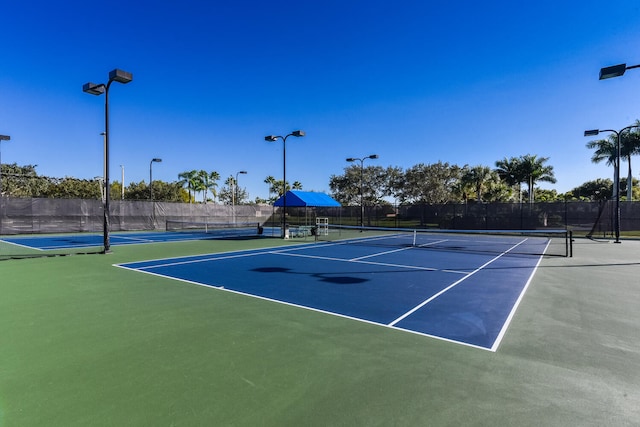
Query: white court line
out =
(396, 250)
(193, 261)
(215, 257)
(379, 253)
(507, 322)
(454, 284)
(135, 239)
(22, 246)
(381, 264)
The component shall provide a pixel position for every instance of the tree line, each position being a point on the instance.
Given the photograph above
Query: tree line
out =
(442, 182)
(511, 179)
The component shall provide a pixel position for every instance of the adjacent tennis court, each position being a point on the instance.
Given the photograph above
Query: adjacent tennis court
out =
(467, 295)
(85, 240)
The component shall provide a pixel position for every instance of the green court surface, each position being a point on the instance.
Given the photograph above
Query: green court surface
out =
(83, 343)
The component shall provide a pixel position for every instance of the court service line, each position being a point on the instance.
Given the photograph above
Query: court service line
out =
(193, 261)
(454, 284)
(395, 250)
(381, 264)
(210, 257)
(135, 239)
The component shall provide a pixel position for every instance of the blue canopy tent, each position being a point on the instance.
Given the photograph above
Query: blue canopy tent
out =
(299, 199)
(307, 199)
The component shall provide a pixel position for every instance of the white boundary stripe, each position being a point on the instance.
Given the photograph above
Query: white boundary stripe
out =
(507, 322)
(134, 239)
(379, 253)
(381, 264)
(304, 307)
(454, 284)
(194, 261)
(211, 256)
(22, 246)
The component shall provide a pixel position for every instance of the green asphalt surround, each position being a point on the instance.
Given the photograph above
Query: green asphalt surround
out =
(84, 343)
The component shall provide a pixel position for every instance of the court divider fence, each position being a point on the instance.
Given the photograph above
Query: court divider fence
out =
(48, 215)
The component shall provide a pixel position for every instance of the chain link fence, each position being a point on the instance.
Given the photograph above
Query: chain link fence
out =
(36, 215)
(48, 215)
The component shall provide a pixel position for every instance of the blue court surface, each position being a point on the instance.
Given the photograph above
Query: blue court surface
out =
(75, 241)
(468, 297)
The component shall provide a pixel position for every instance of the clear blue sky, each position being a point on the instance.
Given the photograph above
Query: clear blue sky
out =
(414, 81)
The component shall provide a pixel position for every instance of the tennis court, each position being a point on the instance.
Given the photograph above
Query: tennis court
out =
(467, 295)
(84, 343)
(86, 240)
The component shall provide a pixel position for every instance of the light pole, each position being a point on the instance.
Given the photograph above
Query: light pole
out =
(273, 138)
(122, 189)
(2, 138)
(98, 89)
(616, 176)
(353, 159)
(154, 160)
(608, 73)
(234, 196)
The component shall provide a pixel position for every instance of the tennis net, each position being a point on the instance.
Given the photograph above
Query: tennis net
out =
(555, 242)
(213, 229)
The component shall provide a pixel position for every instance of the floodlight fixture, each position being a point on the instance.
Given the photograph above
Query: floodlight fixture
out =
(93, 88)
(615, 71)
(120, 76)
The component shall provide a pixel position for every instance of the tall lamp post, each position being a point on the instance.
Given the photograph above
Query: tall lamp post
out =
(2, 138)
(608, 73)
(273, 138)
(234, 196)
(98, 89)
(353, 159)
(616, 176)
(154, 160)
(122, 187)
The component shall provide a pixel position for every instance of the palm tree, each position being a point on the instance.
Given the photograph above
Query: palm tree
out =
(510, 171)
(208, 182)
(198, 184)
(480, 178)
(629, 146)
(534, 170)
(189, 179)
(605, 150)
(271, 181)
